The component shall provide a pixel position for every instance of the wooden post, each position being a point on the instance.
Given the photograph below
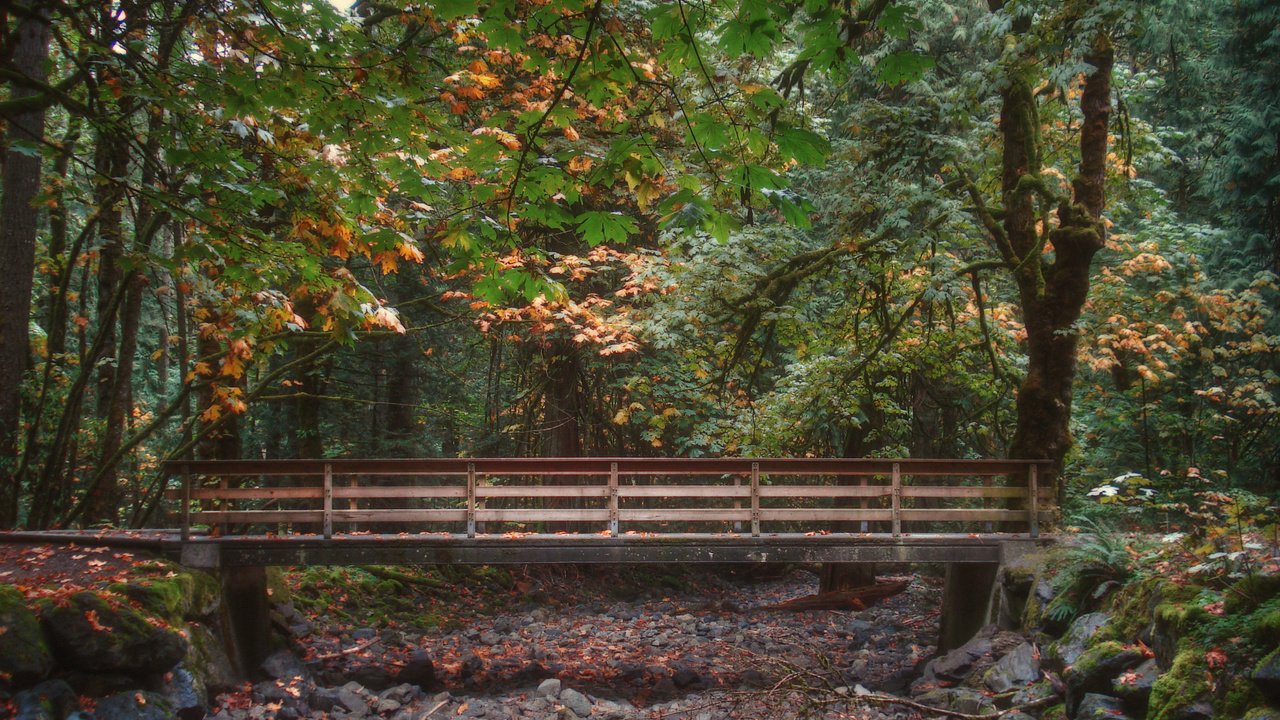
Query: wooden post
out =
(988, 481)
(186, 502)
(897, 500)
(353, 503)
(755, 499)
(737, 504)
(613, 499)
(471, 500)
(328, 501)
(1033, 499)
(862, 482)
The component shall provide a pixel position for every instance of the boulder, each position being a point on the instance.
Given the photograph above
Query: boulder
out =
(958, 699)
(207, 661)
(1262, 713)
(1095, 706)
(549, 688)
(1134, 687)
(50, 700)
(956, 664)
(1096, 670)
(90, 634)
(185, 694)
(1072, 645)
(1266, 676)
(1017, 669)
(134, 706)
(576, 702)
(25, 658)
(418, 671)
(283, 665)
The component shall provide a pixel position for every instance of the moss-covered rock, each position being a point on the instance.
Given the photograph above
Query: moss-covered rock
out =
(208, 662)
(1262, 713)
(1055, 712)
(1186, 684)
(1096, 670)
(50, 699)
(25, 658)
(134, 706)
(91, 634)
(175, 597)
(1266, 677)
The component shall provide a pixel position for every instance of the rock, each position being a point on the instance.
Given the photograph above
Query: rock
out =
(549, 688)
(1100, 707)
(1262, 713)
(90, 634)
(352, 701)
(283, 665)
(490, 638)
(374, 677)
(208, 662)
(684, 677)
(361, 634)
(50, 700)
(1018, 668)
(1266, 677)
(955, 665)
(134, 706)
(1134, 687)
(1073, 643)
(25, 658)
(575, 701)
(1096, 669)
(959, 699)
(185, 694)
(418, 671)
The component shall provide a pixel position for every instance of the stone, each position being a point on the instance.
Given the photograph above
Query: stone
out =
(352, 701)
(1266, 677)
(958, 699)
(50, 700)
(1096, 670)
(684, 677)
(185, 694)
(134, 706)
(283, 665)
(374, 677)
(956, 664)
(419, 670)
(25, 657)
(1262, 713)
(208, 662)
(576, 702)
(361, 634)
(1134, 687)
(1073, 643)
(90, 634)
(1017, 669)
(1095, 706)
(549, 688)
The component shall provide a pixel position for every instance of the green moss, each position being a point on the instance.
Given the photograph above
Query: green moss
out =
(1182, 616)
(1186, 682)
(1096, 654)
(1251, 591)
(1262, 713)
(1239, 697)
(1131, 608)
(1055, 712)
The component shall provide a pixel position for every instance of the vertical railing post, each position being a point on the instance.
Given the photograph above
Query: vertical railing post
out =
(352, 502)
(471, 500)
(186, 502)
(897, 500)
(328, 501)
(613, 499)
(755, 499)
(1033, 499)
(987, 482)
(863, 504)
(737, 502)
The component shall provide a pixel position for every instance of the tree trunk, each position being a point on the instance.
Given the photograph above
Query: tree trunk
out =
(18, 220)
(1052, 293)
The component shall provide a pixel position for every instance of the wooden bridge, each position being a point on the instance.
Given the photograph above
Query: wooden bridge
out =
(609, 510)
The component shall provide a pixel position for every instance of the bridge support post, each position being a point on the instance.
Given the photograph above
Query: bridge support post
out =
(246, 617)
(966, 602)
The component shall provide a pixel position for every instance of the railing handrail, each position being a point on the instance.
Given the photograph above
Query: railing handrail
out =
(602, 466)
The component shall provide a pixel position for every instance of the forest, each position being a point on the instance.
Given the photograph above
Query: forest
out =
(1038, 230)
(930, 229)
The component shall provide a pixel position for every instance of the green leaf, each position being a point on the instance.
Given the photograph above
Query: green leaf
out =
(898, 21)
(902, 67)
(601, 227)
(802, 145)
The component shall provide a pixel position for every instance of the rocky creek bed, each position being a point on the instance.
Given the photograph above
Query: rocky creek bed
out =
(705, 651)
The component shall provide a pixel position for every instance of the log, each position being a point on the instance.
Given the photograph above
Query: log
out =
(856, 599)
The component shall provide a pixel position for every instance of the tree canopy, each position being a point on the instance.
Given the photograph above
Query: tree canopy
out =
(275, 228)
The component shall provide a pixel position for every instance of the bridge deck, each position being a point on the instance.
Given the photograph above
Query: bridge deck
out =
(443, 548)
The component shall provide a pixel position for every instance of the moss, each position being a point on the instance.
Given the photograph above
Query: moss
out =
(1262, 713)
(1055, 712)
(1182, 616)
(1085, 664)
(1239, 697)
(1131, 609)
(1251, 591)
(25, 656)
(1186, 682)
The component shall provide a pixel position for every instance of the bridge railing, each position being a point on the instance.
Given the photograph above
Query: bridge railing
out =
(616, 495)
